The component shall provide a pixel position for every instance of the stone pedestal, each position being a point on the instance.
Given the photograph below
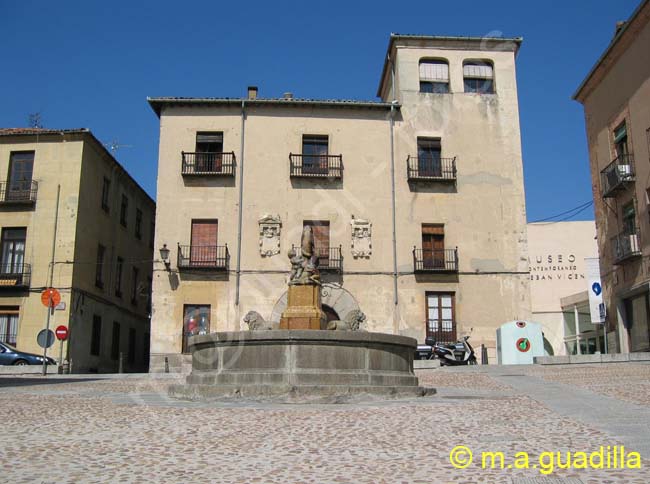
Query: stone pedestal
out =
(303, 308)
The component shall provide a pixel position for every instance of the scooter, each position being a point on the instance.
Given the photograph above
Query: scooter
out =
(459, 353)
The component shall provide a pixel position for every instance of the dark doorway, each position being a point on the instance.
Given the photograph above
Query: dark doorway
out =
(330, 314)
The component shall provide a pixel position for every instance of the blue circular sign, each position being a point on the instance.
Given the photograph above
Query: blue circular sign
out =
(596, 288)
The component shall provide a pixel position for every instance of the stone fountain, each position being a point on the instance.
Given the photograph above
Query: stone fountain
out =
(305, 359)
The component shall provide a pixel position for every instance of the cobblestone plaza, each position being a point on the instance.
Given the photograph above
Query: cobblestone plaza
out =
(126, 429)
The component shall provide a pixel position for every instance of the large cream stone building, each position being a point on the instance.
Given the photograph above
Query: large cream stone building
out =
(616, 99)
(417, 200)
(66, 199)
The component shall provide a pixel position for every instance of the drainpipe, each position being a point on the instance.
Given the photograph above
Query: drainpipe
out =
(241, 198)
(392, 186)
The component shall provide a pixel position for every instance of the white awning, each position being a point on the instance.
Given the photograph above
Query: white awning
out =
(483, 71)
(432, 70)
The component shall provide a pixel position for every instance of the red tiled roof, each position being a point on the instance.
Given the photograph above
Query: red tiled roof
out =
(15, 131)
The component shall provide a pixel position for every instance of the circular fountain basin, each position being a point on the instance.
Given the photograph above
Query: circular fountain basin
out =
(300, 366)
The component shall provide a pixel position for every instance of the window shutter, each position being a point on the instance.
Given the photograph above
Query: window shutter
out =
(204, 232)
(433, 229)
(434, 71)
(620, 133)
(321, 232)
(477, 70)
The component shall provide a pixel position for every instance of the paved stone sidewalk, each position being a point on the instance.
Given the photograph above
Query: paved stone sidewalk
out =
(128, 430)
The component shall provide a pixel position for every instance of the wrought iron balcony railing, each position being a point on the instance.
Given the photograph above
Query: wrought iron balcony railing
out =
(432, 169)
(617, 174)
(22, 192)
(203, 257)
(319, 166)
(625, 246)
(15, 276)
(330, 259)
(435, 260)
(208, 164)
(443, 332)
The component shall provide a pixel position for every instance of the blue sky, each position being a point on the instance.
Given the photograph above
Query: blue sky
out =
(92, 64)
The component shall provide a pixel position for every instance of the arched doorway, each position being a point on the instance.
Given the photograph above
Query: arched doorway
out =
(339, 301)
(330, 314)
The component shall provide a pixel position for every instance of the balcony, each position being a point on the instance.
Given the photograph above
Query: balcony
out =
(18, 193)
(615, 176)
(329, 259)
(431, 169)
(203, 257)
(435, 260)
(625, 246)
(15, 276)
(315, 166)
(208, 164)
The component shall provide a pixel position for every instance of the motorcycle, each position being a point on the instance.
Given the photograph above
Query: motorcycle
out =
(454, 354)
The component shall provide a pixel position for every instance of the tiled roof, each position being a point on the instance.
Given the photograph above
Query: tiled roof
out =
(156, 103)
(19, 131)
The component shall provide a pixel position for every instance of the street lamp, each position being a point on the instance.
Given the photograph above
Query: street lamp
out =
(164, 255)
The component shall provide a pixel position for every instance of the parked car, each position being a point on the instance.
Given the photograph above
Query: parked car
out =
(11, 356)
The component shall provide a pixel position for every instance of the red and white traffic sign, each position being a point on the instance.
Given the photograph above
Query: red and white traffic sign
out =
(50, 297)
(61, 333)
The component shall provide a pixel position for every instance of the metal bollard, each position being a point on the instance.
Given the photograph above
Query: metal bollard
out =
(484, 355)
(166, 365)
(121, 363)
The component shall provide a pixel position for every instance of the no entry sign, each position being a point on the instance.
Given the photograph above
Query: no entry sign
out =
(61, 333)
(50, 297)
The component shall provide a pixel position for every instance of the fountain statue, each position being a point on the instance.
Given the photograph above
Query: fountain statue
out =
(304, 359)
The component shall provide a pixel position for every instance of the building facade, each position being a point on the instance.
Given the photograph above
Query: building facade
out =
(557, 253)
(67, 200)
(616, 100)
(416, 200)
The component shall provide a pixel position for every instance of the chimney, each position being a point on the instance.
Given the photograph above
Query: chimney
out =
(252, 92)
(288, 95)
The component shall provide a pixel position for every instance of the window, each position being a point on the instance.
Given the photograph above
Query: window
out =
(106, 190)
(203, 250)
(13, 251)
(118, 277)
(115, 341)
(9, 324)
(478, 77)
(152, 233)
(620, 142)
(629, 218)
(314, 154)
(138, 224)
(131, 354)
(440, 313)
(209, 151)
(433, 246)
(434, 76)
(196, 320)
(146, 342)
(321, 230)
(429, 161)
(21, 166)
(124, 210)
(99, 269)
(95, 338)
(134, 285)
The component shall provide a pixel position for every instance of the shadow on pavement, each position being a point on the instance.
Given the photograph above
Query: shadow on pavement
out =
(23, 382)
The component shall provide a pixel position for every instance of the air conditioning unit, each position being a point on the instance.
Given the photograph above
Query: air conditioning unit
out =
(624, 171)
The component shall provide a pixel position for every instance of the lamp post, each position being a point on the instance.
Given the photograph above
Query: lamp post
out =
(164, 255)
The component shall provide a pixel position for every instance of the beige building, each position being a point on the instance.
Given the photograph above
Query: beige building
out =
(557, 253)
(616, 100)
(66, 199)
(416, 200)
